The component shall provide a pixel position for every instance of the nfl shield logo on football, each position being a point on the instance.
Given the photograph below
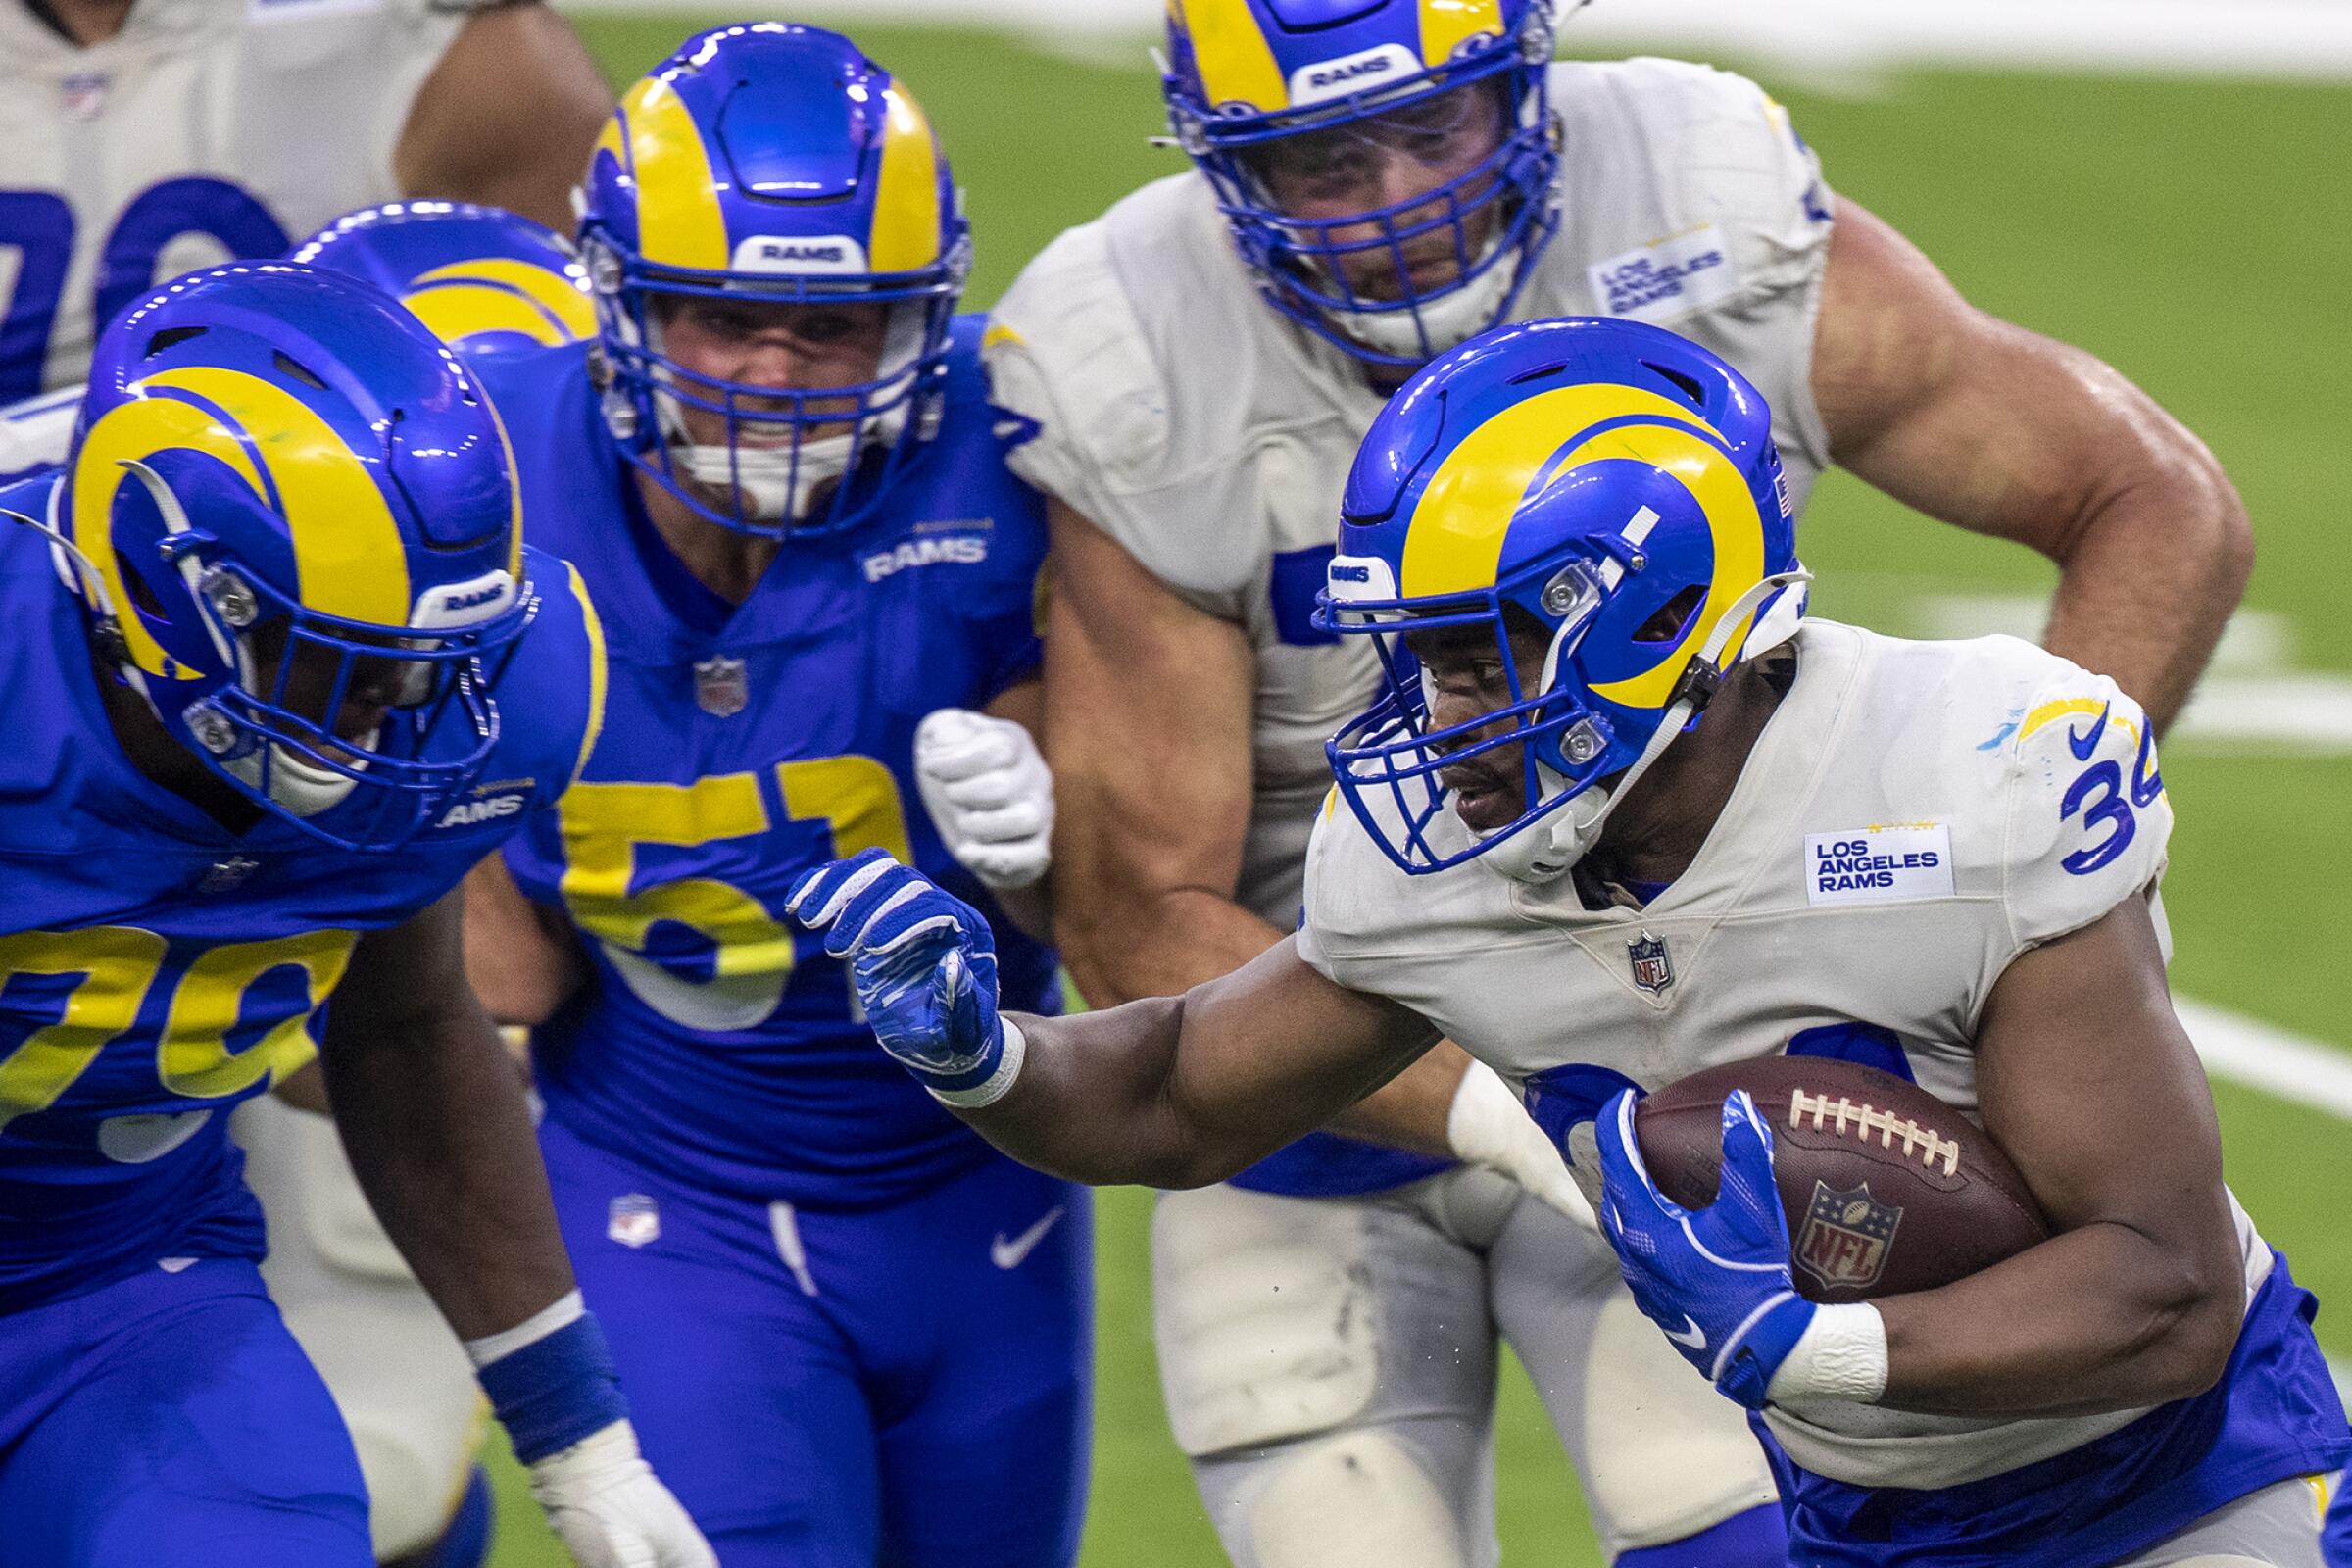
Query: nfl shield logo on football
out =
(1653, 970)
(1846, 1237)
(633, 1220)
(720, 686)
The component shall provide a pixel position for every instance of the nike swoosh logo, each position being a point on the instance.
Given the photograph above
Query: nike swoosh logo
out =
(2083, 745)
(1694, 1335)
(1011, 1254)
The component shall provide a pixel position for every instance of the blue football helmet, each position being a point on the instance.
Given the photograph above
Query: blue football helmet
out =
(485, 280)
(768, 162)
(1264, 93)
(1606, 482)
(296, 514)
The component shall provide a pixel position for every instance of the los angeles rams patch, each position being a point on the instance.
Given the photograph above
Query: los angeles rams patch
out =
(1667, 280)
(1878, 864)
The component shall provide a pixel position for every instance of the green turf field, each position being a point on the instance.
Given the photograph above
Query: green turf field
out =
(2183, 231)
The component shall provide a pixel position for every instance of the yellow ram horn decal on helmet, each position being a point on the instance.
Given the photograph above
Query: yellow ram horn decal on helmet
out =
(1236, 62)
(1733, 522)
(905, 237)
(1454, 542)
(348, 556)
(500, 294)
(1447, 24)
(679, 218)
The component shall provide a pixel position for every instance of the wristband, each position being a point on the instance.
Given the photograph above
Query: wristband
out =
(1841, 1355)
(550, 1379)
(996, 1081)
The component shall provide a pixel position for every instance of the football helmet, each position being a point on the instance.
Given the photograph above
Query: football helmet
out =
(485, 280)
(1604, 482)
(296, 515)
(772, 163)
(1317, 94)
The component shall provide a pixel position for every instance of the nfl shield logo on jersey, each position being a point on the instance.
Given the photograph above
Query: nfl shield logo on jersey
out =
(82, 96)
(633, 1220)
(720, 686)
(1653, 970)
(1846, 1237)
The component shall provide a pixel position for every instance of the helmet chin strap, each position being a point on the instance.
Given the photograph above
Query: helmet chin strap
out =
(294, 782)
(1546, 850)
(777, 484)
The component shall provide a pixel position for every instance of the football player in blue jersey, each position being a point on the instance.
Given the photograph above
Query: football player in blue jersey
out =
(281, 624)
(852, 1331)
(486, 282)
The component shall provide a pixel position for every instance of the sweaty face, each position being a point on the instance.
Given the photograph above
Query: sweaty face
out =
(1468, 675)
(784, 347)
(1325, 178)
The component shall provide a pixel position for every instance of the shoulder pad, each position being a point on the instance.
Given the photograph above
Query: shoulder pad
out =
(1066, 348)
(553, 697)
(2087, 819)
(1722, 155)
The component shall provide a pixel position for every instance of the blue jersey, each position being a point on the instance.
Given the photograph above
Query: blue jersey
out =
(1334, 1165)
(157, 969)
(742, 745)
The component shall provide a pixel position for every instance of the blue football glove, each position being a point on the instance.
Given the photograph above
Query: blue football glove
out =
(1716, 1279)
(924, 964)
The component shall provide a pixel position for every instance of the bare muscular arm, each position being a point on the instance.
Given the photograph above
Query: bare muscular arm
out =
(507, 115)
(2005, 432)
(434, 1119)
(1182, 1091)
(1147, 711)
(523, 959)
(2088, 1082)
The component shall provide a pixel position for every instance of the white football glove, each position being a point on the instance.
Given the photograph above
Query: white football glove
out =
(1489, 1126)
(989, 794)
(612, 1511)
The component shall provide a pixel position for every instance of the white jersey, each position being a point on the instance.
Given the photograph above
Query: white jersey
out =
(205, 129)
(1209, 436)
(1913, 817)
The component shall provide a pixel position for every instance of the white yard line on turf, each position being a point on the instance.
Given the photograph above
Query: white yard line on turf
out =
(2264, 1056)
(2256, 698)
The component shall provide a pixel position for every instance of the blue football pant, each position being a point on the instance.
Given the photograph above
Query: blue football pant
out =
(169, 1418)
(905, 1387)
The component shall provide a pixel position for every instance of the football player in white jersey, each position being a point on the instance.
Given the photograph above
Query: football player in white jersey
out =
(1376, 180)
(1582, 831)
(143, 138)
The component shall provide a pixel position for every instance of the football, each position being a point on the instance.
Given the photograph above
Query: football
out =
(1886, 1188)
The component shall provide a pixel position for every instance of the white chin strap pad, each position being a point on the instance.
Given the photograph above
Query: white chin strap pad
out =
(1449, 318)
(776, 482)
(295, 784)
